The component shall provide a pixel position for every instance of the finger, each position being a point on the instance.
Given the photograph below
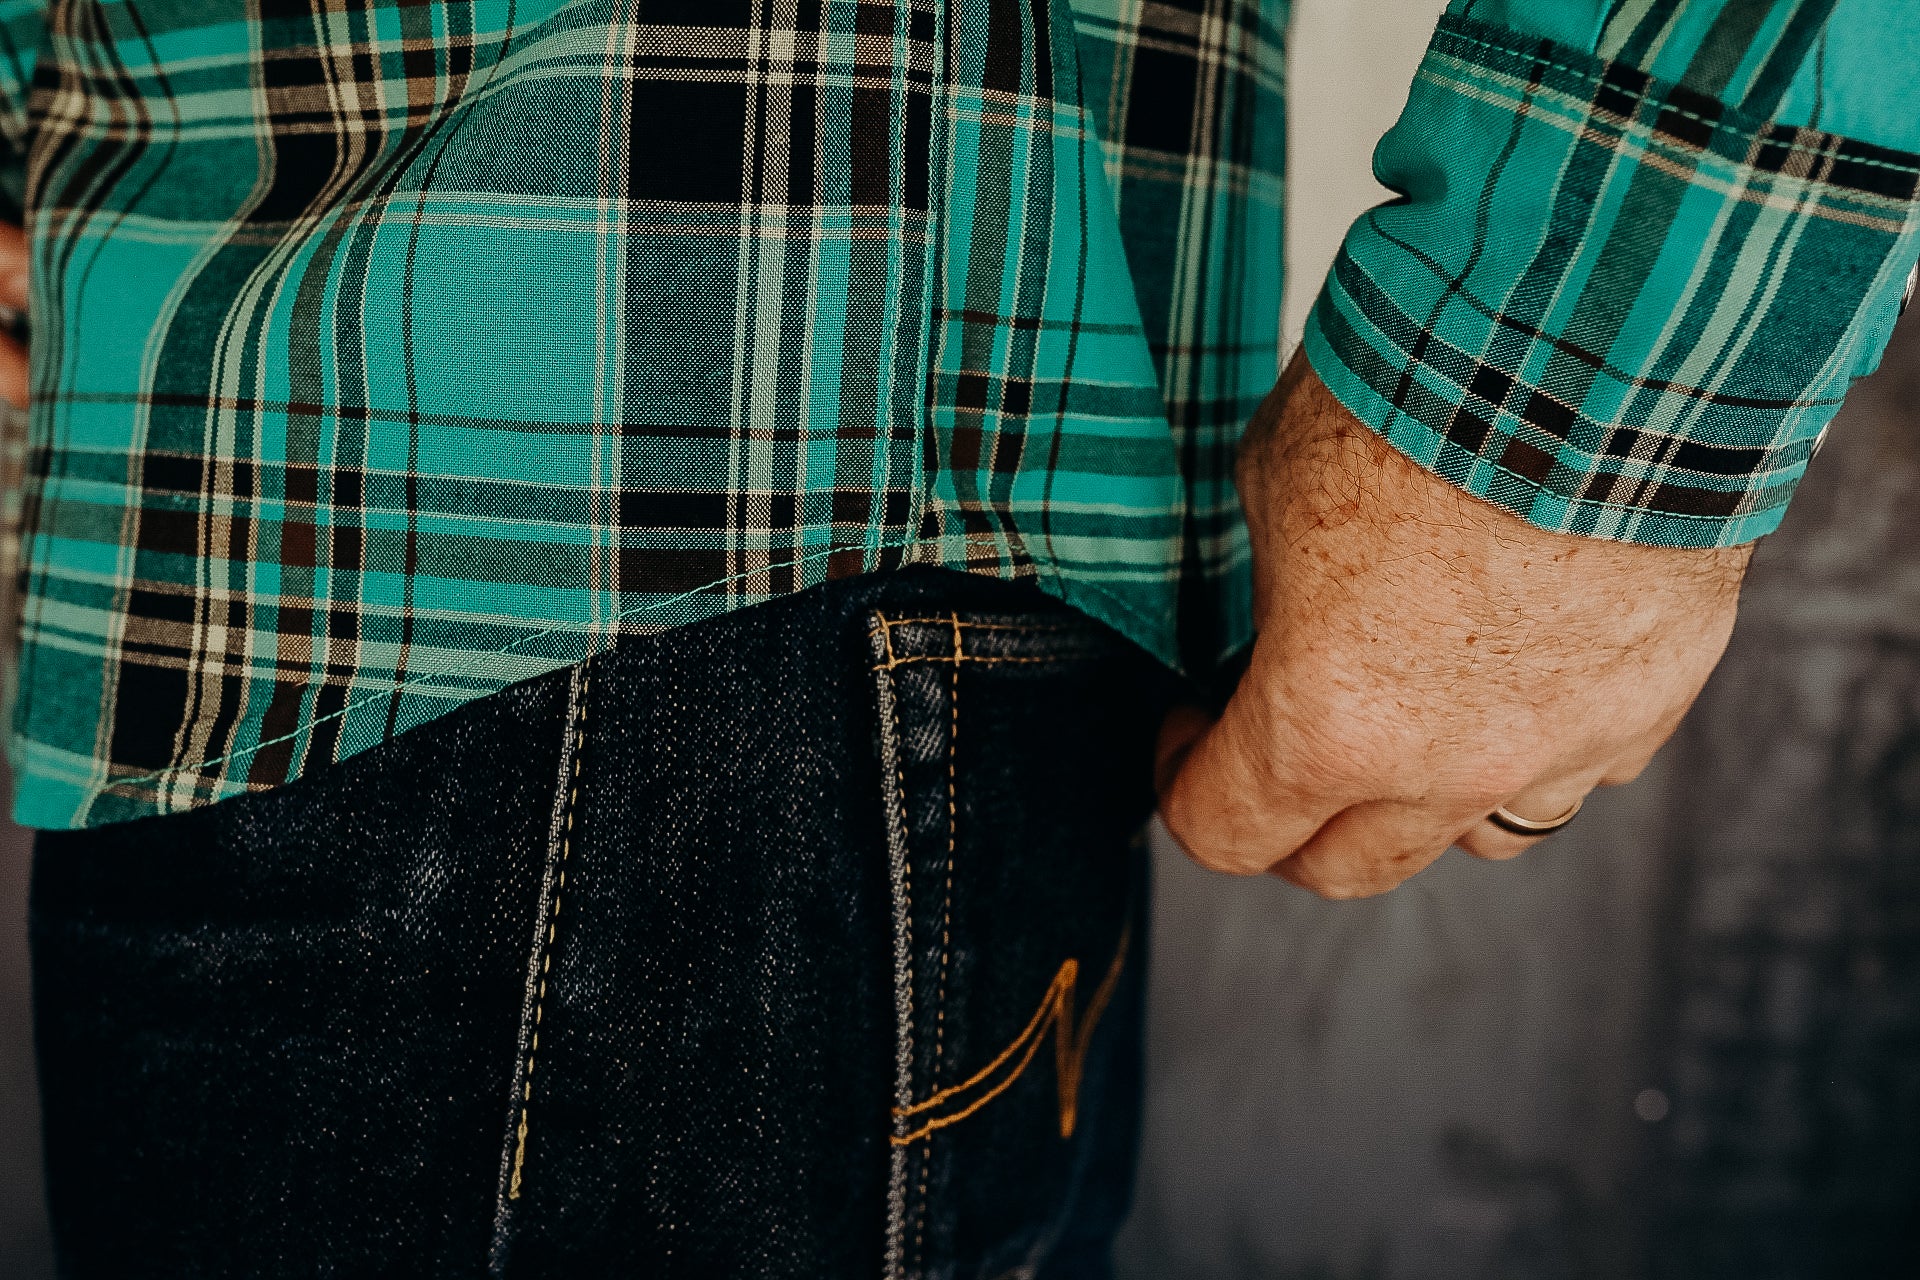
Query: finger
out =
(1234, 794)
(13, 267)
(1184, 726)
(1633, 759)
(1634, 762)
(1539, 802)
(1368, 849)
(13, 372)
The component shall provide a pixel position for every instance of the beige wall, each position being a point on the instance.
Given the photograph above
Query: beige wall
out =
(1349, 64)
(1678, 1039)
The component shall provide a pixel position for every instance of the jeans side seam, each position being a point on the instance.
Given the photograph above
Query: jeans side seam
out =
(540, 956)
(900, 877)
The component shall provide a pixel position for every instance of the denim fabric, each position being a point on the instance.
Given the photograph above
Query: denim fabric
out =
(807, 941)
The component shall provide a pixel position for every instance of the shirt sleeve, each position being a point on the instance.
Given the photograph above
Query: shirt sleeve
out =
(1638, 253)
(22, 26)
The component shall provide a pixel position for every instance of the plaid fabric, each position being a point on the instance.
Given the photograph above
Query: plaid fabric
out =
(1622, 305)
(392, 351)
(388, 352)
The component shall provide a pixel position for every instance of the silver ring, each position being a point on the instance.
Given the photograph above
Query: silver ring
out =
(1507, 820)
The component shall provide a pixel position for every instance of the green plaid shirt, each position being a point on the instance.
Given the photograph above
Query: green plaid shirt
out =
(388, 352)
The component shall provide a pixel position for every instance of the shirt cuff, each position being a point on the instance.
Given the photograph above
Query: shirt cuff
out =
(1611, 305)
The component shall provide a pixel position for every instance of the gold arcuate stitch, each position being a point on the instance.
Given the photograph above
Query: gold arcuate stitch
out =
(1073, 1038)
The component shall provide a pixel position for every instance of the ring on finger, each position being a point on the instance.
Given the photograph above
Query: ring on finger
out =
(1507, 820)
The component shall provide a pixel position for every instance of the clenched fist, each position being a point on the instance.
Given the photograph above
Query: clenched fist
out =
(13, 297)
(1424, 657)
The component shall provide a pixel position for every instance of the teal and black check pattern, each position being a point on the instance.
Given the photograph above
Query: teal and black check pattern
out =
(388, 352)
(1615, 304)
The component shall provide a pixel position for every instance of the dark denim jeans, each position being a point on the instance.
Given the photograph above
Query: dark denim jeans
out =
(803, 942)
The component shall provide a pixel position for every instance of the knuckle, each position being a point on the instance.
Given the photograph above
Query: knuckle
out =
(1176, 815)
(1366, 887)
(1201, 842)
(1333, 754)
(1492, 781)
(1334, 887)
(1624, 774)
(1480, 844)
(1488, 851)
(1224, 824)
(1227, 862)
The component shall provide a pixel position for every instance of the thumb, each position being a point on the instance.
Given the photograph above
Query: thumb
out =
(13, 267)
(1183, 728)
(1227, 792)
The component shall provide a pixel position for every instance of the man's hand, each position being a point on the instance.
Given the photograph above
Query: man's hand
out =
(13, 298)
(1424, 656)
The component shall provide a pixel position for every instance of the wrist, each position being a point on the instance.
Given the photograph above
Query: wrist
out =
(1330, 497)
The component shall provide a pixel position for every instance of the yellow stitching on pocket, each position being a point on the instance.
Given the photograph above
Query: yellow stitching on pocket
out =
(1072, 1039)
(970, 658)
(953, 831)
(983, 626)
(886, 634)
(954, 622)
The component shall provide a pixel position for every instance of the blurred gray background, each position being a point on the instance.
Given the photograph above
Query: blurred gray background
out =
(1682, 1039)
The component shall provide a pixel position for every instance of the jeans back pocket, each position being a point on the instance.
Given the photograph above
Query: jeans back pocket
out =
(1016, 751)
